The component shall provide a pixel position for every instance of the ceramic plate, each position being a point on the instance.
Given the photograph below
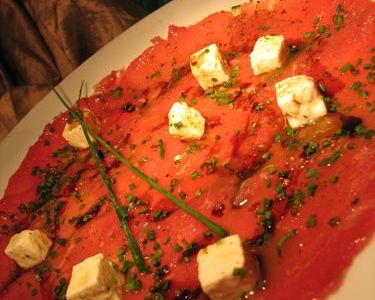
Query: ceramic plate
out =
(359, 279)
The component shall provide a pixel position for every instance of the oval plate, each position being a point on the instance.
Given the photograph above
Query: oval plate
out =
(359, 279)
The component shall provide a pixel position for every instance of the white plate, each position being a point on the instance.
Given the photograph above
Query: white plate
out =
(359, 280)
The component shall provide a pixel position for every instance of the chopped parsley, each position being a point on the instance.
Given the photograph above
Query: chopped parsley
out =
(357, 86)
(271, 170)
(332, 105)
(193, 147)
(266, 156)
(161, 148)
(210, 166)
(311, 174)
(173, 184)
(348, 67)
(268, 182)
(311, 221)
(277, 137)
(151, 235)
(316, 20)
(299, 198)
(195, 175)
(310, 148)
(143, 159)
(191, 249)
(60, 289)
(50, 186)
(176, 248)
(290, 132)
(156, 74)
(160, 215)
(335, 156)
(266, 222)
(311, 189)
(308, 35)
(362, 131)
(198, 193)
(61, 241)
(133, 283)
(280, 190)
(338, 19)
(322, 28)
(239, 272)
(221, 96)
(177, 125)
(284, 239)
(80, 220)
(117, 92)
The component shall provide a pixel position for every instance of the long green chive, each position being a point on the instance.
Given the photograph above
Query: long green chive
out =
(121, 213)
(178, 202)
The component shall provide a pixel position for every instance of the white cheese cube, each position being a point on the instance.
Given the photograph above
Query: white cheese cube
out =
(73, 132)
(225, 271)
(74, 135)
(28, 248)
(236, 10)
(269, 54)
(95, 278)
(185, 122)
(209, 67)
(299, 100)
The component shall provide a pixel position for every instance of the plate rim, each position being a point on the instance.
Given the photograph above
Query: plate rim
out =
(28, 130)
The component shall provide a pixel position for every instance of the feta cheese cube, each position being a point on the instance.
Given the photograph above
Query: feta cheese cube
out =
(73, 132)
(95, 278)
(185, 122)
(209, 67)
(236, 10)
(28, 248)
(299, 100)
(74, 135)
(225, 270)
(269, 53)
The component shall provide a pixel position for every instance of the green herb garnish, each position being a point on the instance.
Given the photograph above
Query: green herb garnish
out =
(239, 272)
(283, 240)
(311, 189)
(120, 211)
(311, 221)
(331, 159)
(195, 175)
(117, 92)
(311, 174)
(176, 248)
(161, 148)
(178, 202)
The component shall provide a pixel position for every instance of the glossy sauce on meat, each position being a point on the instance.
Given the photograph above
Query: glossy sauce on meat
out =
(316, 183)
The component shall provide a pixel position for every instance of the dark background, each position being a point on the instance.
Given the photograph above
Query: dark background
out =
(42, 39)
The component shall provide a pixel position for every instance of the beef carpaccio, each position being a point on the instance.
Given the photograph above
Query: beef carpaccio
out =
(302, 200)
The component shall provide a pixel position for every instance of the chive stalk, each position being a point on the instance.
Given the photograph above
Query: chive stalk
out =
(120, 212)
(178, 202)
